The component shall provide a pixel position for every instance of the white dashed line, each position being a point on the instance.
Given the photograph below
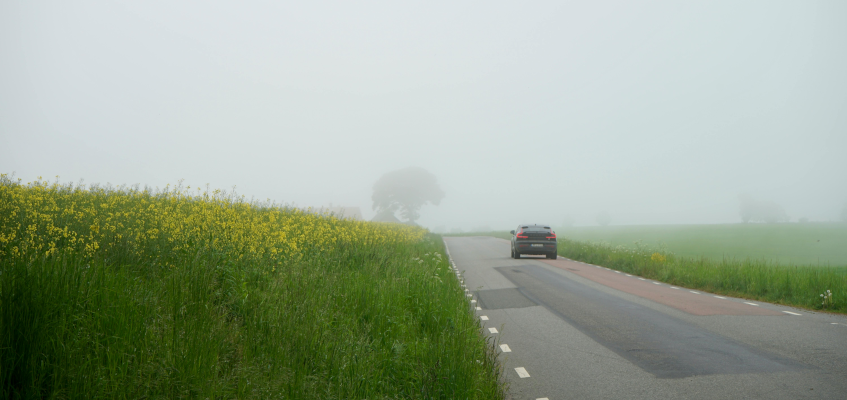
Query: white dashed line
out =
(492, 330)
(719, 297)
(617, 272)
(694, 292)
(642, 279)
(483, 317)
(752, 304)
(505, 348)
(542, 398)
(792, 313)
(479, 308)
(522, 372)
(656, 283)
(674, 287)
(473, 301)
(833, 323)
(470, 295)
(628, 275)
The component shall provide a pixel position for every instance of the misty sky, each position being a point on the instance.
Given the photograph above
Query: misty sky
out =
(656, 112)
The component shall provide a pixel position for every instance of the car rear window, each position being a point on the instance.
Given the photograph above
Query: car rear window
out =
(536, 228)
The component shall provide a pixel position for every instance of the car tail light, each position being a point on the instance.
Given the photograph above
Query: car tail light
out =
(520, 236)
(552, 235)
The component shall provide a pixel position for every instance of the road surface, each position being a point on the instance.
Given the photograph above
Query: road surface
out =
(569, 330)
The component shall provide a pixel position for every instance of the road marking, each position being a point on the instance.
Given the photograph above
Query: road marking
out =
(628, 275)
(470, 295)
(505, 348)
(693, 292)
(833, 323)
(752, 304)
(483, 317)
(479, 308)
(492, 330)
(656, 283)
(522, 372)
(542, 398)
(674, 287)
(617, 272)
(792, 313)
(721, 297)
(473, 301)
(642, 279)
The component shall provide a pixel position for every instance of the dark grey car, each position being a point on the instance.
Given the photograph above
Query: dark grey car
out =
(534, 239)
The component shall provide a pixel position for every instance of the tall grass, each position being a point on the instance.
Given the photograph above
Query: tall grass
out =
(141, 304)
(754, 279)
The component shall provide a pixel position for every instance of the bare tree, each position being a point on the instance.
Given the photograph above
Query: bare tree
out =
(406, 190)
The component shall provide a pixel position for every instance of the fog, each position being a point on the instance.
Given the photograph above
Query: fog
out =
(651, 112)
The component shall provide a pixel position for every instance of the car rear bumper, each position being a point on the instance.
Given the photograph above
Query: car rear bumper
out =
(528, 248)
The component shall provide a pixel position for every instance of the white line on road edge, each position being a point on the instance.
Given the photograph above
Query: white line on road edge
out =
(483, 317)
(792, 313)
(694, 292)
(473, 301)
(833, 323)
(628, 275)
(505, 348)
(470, 295)
(721, 297)
(542, 398)
(752, 304)
(492, 330)
(656, 283)
(522, 372)
(642, 279)
(479, 308)
(674, 287)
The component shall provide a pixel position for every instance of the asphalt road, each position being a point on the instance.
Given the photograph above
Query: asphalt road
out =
(579, 331)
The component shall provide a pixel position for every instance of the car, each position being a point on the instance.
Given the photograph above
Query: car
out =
(534, 239)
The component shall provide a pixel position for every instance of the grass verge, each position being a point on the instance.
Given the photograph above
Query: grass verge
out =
(799, 286)
(130, 294)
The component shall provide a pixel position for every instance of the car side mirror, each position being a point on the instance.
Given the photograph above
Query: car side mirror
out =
(512, 232)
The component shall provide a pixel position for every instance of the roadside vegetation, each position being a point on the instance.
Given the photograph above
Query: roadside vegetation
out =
(800, 286)
(128, 293)
(810, 243)
(812, 286)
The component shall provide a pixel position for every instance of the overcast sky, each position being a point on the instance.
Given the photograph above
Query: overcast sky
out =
(656, 112)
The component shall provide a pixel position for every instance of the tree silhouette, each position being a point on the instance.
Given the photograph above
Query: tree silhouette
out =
(406, 190)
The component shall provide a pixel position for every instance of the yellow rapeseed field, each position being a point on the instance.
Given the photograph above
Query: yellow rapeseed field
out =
(39, 218)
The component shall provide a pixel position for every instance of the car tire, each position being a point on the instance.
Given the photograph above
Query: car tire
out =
(552, 256)
(517, 255)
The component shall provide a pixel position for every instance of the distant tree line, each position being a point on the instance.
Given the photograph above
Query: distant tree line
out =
(753, 210)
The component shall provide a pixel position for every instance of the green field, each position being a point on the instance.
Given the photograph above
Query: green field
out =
(823, 244)
(127, 294)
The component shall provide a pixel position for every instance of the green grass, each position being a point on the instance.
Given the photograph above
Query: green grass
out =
(349, 321)
(787, 244)
(799, 286)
